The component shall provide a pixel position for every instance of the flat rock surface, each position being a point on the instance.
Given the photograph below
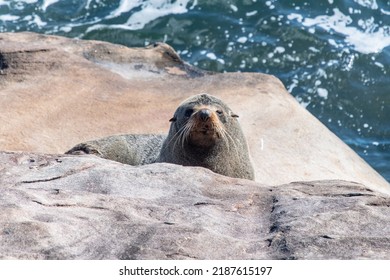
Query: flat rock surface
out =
(57, 92)
(85, 207)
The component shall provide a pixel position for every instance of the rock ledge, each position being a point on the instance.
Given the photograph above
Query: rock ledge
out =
(85, 207)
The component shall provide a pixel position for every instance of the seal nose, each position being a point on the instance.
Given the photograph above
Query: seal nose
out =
(204, 114)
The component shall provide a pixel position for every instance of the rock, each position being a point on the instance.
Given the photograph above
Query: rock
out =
(57, 92)
(85, 207)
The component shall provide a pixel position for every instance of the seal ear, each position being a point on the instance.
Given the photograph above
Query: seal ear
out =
(233, 115)
(173, 119)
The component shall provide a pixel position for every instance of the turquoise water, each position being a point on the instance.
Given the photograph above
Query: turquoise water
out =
(333, 56)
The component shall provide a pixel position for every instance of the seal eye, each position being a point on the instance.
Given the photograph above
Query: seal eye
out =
(188, 113)
(219, 112)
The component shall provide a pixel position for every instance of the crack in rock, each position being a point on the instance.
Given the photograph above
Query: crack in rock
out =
(203, 203)
(66, 174)
(70, 205)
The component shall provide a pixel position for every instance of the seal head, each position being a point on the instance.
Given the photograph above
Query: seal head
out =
(205, 132)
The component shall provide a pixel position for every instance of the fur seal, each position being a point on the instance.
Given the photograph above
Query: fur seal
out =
(203, 132)
(132, 149)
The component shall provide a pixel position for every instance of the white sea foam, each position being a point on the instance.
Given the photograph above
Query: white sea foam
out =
(18, 5)
(88, 4)
(30, 1)
(293, 16)
(234, 8)
(368, 4)
(385, 12)
(211, 55)
(4, 3)
(249, 14)
(379, 64)
(322, 92)
(8, 18)
(270, 5)
(124, 7)
(66, 29)
(38, 21)
(47, 3)
(242, 40)
(372, 39)
(220, 60)
(280, 50)
(147, 11)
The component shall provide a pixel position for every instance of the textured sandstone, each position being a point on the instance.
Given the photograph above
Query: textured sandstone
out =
(85, 207)
(69, 207)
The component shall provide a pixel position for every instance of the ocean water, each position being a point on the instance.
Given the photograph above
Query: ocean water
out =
(332, 55)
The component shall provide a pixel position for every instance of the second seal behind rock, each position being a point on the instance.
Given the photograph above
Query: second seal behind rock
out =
(205, 132)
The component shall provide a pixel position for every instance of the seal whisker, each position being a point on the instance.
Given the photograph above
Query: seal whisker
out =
(234, 142)
(175, 137)
(179, 137)
(186, 132)
(222, 133)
